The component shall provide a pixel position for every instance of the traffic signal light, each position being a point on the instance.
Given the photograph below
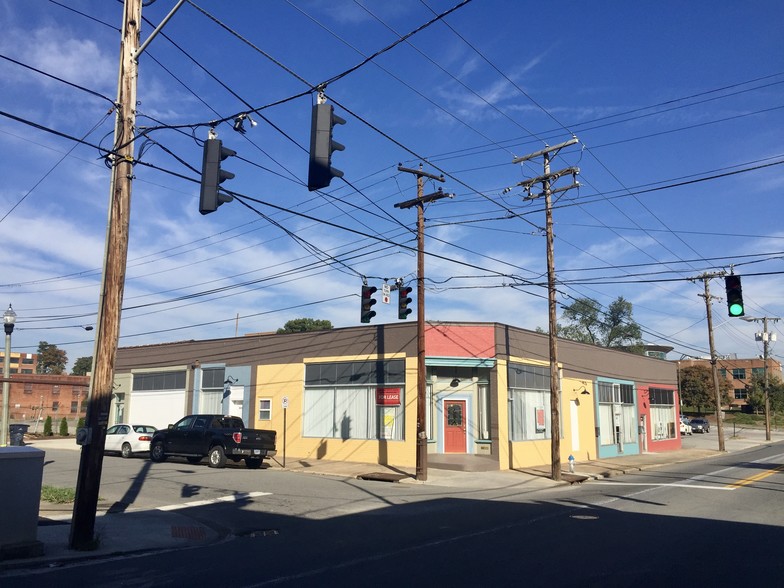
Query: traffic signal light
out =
(320, 171)
(403, 301)
(734, 295)
(212, 175)
(367, 303)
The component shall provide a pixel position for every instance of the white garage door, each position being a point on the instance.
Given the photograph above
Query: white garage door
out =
(158, 408)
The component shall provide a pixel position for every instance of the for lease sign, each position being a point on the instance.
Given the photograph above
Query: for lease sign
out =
(388, 396)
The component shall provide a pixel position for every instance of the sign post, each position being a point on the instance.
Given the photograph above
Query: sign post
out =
(285, 406)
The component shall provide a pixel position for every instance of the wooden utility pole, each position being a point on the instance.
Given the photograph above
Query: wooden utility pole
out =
(419, 202)
(93, 436)
(555, 388)
(765, 337)
(713, 357)
(112, 285)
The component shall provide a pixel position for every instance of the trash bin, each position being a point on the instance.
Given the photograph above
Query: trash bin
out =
(17, 434)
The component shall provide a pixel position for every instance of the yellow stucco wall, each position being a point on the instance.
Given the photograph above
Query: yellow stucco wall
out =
(278, 381)
(521, 454)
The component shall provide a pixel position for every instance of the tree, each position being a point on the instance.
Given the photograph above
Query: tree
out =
(776, 394)
(63, 428)
(48, 426)
(587, 323)
(697, 390)
(51, 359)
(755, 394)
(304, 325)
(82, 366)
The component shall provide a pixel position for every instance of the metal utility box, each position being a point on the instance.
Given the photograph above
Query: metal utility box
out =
(21, 472)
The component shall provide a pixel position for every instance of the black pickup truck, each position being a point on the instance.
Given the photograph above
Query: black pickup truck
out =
(216, 437)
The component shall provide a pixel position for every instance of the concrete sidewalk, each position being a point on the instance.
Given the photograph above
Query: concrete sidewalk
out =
(142, 531)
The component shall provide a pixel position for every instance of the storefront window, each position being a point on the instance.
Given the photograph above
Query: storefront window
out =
(663, 415)
(342, 401)
(617, 414)
(484, 412)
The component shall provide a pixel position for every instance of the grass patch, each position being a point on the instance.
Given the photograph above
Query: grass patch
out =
(57, 495)
(741, 418)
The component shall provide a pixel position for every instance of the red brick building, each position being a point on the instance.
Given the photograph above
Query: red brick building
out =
(739, 372)
(36, 396)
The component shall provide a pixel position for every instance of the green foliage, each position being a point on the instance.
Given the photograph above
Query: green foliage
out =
(51, 359)
(80, 423)
(48, 426)
(696, 386)
(756, 394)
(776, 393)
(82, 366)
(63, 428)
(586, 322)
(57, 495)
(304, 325)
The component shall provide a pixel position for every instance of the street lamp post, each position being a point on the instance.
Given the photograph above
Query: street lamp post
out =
(9, 318)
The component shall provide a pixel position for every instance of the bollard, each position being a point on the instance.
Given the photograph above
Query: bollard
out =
(571, 464)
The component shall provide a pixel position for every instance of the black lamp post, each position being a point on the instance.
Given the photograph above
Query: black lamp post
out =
(9, 318)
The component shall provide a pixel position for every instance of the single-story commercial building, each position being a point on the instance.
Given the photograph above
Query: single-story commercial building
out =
(351, 393)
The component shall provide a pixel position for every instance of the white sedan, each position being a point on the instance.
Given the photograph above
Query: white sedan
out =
(127, 439)
(685, 427)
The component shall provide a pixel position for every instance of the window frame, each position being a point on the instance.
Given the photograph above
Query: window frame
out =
(268, 410)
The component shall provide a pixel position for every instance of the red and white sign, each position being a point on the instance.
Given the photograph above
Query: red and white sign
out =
(388, 396)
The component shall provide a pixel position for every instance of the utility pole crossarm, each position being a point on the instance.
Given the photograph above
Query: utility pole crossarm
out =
(438, 195)
(551, 177)
(545, 151)
(419, 172)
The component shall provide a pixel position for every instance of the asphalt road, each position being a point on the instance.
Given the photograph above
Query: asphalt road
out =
(720, 519)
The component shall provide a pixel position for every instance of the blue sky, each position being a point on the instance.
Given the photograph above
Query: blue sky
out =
(678, 108)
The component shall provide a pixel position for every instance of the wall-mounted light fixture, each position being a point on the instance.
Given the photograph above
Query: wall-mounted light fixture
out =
(455, 382)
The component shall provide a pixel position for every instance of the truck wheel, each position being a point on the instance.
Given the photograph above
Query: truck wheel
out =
(126, 450)
(217, 457)
(252, 463)
(156, 452)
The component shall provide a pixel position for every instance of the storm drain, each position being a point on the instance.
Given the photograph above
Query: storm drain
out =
(188, 532)
(259, 533)
(383, 477)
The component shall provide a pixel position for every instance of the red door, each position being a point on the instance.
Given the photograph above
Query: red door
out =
(454, 426)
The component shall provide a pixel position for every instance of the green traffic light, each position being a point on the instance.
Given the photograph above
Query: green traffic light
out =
(736, 310)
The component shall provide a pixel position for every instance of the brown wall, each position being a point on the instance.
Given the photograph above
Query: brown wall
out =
(583, 361)
(274, 349)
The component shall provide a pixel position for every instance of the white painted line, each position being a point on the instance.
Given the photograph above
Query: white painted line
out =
(230, 498)
(671, 485)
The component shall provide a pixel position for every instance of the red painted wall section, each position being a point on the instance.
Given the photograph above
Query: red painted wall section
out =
(645, 409)
(460, 341)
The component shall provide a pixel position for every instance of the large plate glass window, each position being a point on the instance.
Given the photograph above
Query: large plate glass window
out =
(529, 402)
(341, 401)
